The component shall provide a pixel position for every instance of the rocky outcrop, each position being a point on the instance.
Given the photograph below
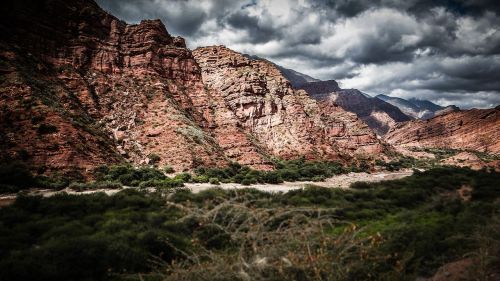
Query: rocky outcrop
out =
(81, 88)
(133, 84)
(285, 122)
(475, 129)
(376, 113)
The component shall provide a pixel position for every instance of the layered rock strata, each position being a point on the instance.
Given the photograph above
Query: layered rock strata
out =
(474, 129)
(81, 88)
(287, 123)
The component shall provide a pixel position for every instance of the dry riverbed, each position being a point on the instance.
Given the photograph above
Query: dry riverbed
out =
(340, 181)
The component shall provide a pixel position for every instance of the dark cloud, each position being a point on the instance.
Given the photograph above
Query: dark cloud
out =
(179, 16)
(446, 50)
(258, 32)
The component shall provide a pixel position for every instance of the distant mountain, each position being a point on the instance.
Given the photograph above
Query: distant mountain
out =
(376, 113)
(416, 108)
(296, 78)
(319, 89)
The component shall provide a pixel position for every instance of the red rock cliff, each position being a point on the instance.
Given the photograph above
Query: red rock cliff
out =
(133, 83)
(287, 123)
(475, 129)
(82, 88)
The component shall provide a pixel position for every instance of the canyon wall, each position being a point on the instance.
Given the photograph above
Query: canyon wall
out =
(474, 129)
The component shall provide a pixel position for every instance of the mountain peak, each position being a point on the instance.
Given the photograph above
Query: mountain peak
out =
(417, 108)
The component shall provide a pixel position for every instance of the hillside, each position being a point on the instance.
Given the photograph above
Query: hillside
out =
(376, 113)
(416, 108)
(81, 88)
(474, 129)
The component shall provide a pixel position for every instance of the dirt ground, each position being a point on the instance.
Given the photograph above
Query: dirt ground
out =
(340, 181)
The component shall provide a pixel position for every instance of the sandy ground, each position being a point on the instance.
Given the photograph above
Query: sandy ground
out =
(340, 181)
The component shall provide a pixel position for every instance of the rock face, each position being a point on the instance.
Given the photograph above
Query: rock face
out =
(418, 109)
(376, 113)
(81, 88)
(475, 129)
(465, 159)
(131, 84)
(285, 122)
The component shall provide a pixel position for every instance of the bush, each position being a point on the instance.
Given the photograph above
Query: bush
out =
(168, 169)
(272, 177)
(107, 185)
(166, 183)
(248, 181)
(15, 176)
(200, 179)
(391, 230)
(214, 181)
(79, 186)
(360, 185)
(185, 177)
(154, 158)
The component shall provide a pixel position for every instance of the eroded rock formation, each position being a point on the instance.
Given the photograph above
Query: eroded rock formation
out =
(132, 83)
(285, 122)
(475, 129)
(81, 88)
(377, 114)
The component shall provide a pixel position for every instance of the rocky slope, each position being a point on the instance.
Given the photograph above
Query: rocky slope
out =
(418, 109)
(81, 88)
(379, 115)
(284, 122)
(475, 129)
(132, 85)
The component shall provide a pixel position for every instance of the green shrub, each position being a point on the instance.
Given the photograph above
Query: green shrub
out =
(168, 169)
(200, 179)
(107, 185)
(272, 177)
(15, 176)
(185, 177)
(248, 181)
(390, 230)
(214, 181)
(360, 185)
(79, 186)
(154, 158)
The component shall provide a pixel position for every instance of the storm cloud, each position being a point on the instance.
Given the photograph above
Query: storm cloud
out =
(446, 51)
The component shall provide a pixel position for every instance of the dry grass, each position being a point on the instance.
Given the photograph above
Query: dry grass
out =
(292, 243)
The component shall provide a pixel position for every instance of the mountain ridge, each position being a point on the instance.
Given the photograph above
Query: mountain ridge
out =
(83, 89)
(417, 108)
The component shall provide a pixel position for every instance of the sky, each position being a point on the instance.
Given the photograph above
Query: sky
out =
(446, 51)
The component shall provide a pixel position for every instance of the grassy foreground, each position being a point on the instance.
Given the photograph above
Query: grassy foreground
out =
(393, 230)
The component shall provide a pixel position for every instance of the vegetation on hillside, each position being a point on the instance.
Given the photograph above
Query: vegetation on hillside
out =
(392, 230)
(15, 176)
